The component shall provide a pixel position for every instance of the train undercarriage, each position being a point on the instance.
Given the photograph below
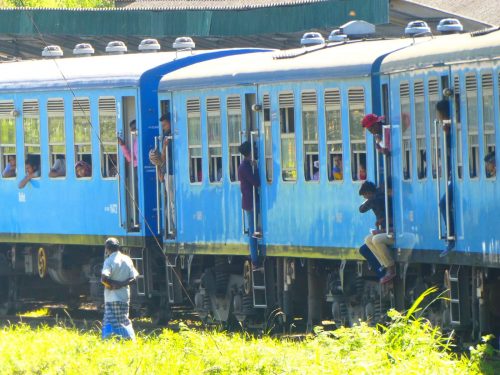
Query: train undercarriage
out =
(286, 293)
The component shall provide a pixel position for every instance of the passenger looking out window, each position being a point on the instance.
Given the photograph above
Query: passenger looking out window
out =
(125, 150)
(58, 169)
(32, 167)
(337, 168)
(10, 168)
(491, 165)
(167, 169)
(362, 172)
(83, 169)
(315, 176)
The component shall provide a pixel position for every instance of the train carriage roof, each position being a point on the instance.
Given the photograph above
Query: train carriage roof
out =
(80, 72)
(444, 50)
(351, 59)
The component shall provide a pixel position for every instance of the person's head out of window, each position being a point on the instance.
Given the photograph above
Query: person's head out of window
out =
(443, 110)
(491, 165)
(373, 123)
(82, 169)
(245, 149)
(368, 190)
(165, 122)
(132, 126)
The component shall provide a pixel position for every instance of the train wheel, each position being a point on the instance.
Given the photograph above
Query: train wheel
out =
(42, 263)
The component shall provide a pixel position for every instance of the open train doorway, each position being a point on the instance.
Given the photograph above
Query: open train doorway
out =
(128, 142)
(165, 172)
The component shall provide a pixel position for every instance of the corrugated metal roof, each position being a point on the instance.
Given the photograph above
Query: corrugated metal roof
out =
(212, 4)
(339, 60)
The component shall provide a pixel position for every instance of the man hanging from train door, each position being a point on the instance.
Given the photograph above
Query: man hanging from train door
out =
(168, 170)
(378, 200)
(446, 202)
(118, 272)
(248, 174)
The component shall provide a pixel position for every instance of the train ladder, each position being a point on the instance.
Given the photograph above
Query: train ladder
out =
(259, 287)
(138, 261)
(454, 295)
(170, 281)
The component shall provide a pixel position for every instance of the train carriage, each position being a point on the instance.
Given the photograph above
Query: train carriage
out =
(70, 112)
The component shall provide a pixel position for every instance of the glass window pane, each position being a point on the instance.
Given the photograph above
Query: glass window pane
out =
(333, 118)
(82, 136)
(214, 140)
(234, 133)
(357, 134)
(488, 125)
(8, 161)
(418, 90)
(433, 99)
(472, 125)
(287, 126)
(57, 138)
(107, 133)
(404, 93)
(310, 134)
(194, 140)
(31, 127)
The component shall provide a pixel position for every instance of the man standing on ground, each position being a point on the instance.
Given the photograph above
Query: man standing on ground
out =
(118, 272)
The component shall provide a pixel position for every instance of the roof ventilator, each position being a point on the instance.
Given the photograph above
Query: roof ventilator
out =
(183, 43)
(149, 45)
(83, 50)
(116, 47)
(53, 51)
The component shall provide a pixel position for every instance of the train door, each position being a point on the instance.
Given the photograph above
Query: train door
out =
(128, 179)
(165, 172)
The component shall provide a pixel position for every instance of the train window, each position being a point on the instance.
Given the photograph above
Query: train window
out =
(57, 137)
(404, 94)
(287, 126)
(234, 133)
(31, 127)
(357, 134)
(488, 120)
(107, 135)
(419, 101)
(268, 138)
(310, 134)
(8, 162)
(214, 140)
(458, 129)
(82, 134)
(433, 95)
(194, 140)
(333, 118)
(472, 124)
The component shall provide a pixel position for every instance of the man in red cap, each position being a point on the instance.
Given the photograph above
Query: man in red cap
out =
(374, 124)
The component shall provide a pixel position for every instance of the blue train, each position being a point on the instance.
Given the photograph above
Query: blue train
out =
(301, 109)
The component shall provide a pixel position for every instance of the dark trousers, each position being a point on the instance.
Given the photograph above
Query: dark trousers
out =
(372, 260)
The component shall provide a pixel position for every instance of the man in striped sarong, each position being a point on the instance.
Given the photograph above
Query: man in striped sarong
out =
(118, 272)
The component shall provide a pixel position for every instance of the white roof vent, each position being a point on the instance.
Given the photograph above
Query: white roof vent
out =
(52, 51)
(337, 36)
(116, 47)
(83, 49)
(312, 38)
(357, 29)
(183, 43)
(149, 45)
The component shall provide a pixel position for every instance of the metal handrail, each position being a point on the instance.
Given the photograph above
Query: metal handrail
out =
(167, 184)
(448, 175)
(158, 184)
(438, 182)
(132, 177)
(254, 189)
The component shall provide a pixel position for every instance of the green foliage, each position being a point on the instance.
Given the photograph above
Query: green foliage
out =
(58, 3)
(407, 346)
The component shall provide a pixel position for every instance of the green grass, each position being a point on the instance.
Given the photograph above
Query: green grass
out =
(407, 346)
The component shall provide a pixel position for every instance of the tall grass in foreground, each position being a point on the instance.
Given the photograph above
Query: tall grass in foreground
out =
(406, 346)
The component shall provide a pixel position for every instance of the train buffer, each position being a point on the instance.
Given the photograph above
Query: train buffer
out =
(259, 287)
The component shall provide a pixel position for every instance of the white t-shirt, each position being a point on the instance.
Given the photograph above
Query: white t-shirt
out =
(118, 267)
